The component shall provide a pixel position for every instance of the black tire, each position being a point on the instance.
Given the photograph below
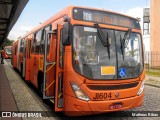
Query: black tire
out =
(40, 84)
(22, 72)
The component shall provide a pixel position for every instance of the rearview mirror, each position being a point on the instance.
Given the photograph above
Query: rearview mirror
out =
(65, 34)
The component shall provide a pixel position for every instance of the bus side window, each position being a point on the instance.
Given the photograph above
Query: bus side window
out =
(29, 47)
(24, 47)
(43, 40)
(21, 45)
(48, 43)
(16, 50)
(38, 39)
(33, 45)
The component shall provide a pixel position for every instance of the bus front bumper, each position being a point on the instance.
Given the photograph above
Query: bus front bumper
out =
(76, 107)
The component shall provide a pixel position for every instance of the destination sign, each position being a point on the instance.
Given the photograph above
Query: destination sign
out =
(105, 18)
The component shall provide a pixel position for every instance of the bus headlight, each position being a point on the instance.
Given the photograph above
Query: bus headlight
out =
(78, 92)
(141, 88)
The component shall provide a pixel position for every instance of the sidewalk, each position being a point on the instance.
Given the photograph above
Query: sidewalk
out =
(152, 80)
(24, 98)
(7, 101)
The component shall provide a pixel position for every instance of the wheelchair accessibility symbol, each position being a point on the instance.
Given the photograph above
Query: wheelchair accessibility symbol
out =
(122, 72)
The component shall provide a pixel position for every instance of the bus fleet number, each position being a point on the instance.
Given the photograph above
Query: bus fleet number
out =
(100, 96)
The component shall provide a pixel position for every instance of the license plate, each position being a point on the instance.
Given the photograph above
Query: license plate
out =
(115, 106)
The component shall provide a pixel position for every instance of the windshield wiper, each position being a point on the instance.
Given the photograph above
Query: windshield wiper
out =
(103, 39)
(125, 40)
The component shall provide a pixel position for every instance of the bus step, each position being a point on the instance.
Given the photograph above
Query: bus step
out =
(60, 102)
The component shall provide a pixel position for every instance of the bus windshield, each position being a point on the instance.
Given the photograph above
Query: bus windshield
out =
(92, 59)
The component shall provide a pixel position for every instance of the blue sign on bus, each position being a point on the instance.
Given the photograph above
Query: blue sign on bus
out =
(122, 72)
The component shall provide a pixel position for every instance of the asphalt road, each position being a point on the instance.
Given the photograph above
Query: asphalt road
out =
(151, 103)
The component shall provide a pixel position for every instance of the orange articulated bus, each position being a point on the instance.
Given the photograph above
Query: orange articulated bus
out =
(87, 61)
(7, 52)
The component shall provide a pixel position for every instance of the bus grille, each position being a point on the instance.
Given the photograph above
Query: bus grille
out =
(112, 87)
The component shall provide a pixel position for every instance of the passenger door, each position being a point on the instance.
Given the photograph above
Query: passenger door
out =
(49, 63)
(57, 64)
(28, 52)
(59, 71)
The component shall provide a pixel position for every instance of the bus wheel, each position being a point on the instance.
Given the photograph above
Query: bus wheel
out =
(22, 72)
(40, 84)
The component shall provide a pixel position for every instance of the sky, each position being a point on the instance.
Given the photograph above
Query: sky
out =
(37, 11)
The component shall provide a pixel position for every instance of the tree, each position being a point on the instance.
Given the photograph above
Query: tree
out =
(8, 42)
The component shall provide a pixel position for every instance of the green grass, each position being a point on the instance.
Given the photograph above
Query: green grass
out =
(153, 73)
